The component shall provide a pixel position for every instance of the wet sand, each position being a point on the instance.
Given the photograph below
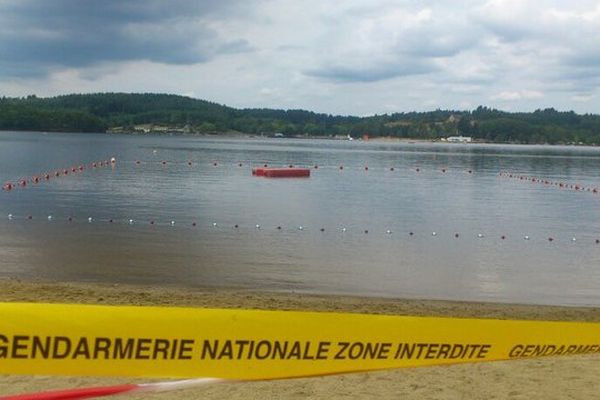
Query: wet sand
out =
(549, 378)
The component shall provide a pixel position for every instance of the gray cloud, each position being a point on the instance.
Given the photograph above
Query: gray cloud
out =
(235, 46)
(372, 73)
(356, 56)
(39, 36)
(381, 42)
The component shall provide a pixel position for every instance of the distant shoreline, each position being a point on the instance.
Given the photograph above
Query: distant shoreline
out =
(241, 135)
(174, 114)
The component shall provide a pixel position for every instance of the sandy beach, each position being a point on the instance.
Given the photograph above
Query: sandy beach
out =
(549, 378)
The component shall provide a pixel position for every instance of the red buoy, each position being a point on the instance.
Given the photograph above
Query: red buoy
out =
(36, 179)
(136, 161)
(23, 182)
(47, 176)
(7, 186)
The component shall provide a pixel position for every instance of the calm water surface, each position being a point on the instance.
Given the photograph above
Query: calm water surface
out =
(308, 260)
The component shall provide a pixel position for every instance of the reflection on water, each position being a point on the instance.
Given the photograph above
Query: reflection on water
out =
(329, 261)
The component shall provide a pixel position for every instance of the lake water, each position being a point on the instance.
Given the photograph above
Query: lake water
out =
(342, 258)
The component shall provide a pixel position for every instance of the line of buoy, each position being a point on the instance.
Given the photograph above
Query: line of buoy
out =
(7, 186)
(340, 167)
(35, 179)
(549, 183)
(301, 228)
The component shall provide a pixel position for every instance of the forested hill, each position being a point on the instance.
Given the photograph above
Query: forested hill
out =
(121, 112)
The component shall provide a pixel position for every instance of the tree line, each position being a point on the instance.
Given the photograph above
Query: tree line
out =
(101, 112)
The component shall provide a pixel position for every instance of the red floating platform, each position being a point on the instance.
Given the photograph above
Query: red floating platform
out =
(282, 172)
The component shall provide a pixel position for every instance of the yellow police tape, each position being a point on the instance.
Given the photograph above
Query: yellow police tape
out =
(56, 339)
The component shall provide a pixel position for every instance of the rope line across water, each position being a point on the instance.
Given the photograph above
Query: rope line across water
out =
(55, 173)
(12, 218)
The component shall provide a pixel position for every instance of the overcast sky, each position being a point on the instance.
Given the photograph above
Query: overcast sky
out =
(341, 57)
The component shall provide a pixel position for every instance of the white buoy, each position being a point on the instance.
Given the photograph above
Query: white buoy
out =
(113, 160)
(49, 217)
(257, 226)
(343, 229)
(574, 239)
(90, 219)
(172, 223)
(480, 235)
(10, 216)
(154, 151)
(130, 222)
(433, 233)
(300, 228)
(214, 224)
(388, 231)
(526, 237)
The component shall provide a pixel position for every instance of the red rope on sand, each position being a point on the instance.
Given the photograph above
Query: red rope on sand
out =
(88, 393)
(74, 394)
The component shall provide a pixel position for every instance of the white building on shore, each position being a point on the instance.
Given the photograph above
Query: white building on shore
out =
(459, 139)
